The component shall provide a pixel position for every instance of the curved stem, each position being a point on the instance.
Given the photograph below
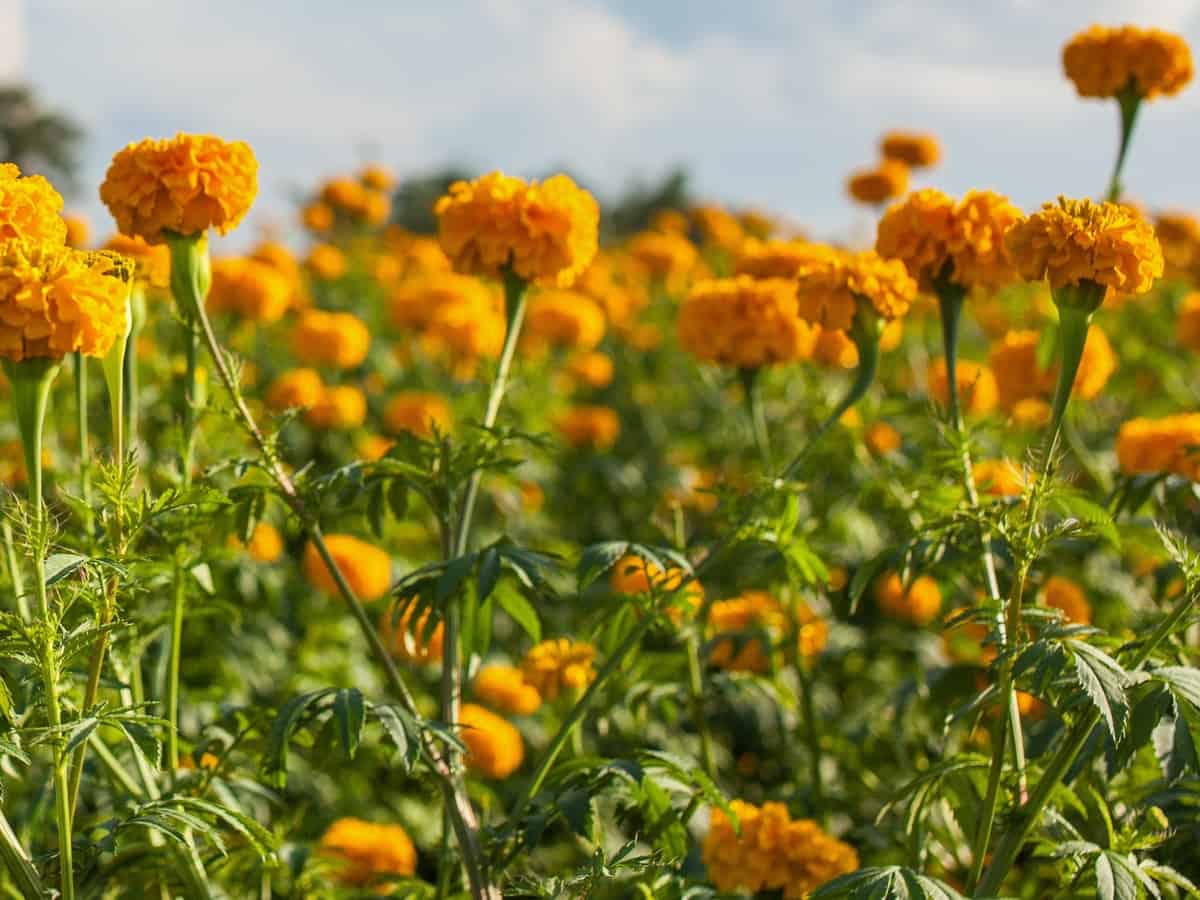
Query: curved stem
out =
(85, 456)
(1129, 102)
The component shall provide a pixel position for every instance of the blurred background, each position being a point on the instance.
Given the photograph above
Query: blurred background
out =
(760, 103)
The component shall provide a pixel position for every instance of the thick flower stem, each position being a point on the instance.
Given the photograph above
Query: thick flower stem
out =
(178, 605)
(696, 696)
(191, 399)
(130, 368)
(1129, 101)
(752, 395)
(85, 456)
(1014, 839)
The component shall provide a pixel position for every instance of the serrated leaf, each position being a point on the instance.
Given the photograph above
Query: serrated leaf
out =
(275, 757)
(1104, 682)
(1183, 682)
(397, 726)
(1115, 879)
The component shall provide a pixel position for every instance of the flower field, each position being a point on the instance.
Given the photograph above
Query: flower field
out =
(532, 557)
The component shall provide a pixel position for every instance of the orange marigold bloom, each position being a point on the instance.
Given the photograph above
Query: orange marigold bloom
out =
(253, 290)
(377, 178)
(546, 232)
(77, 231)
(1078, 240)
(336, 339)
(317, 217)
(184, 185)
(1187, 323)
(1179, 236)
(419, 413)
(835, 349)
(266, 543)
(326, 262)
(505, 688)
(594, 369)
(634, 575)
(612, 282)
(779, 259)
(744, 322)
(589, 426)
(829, 292)
(878, 185)
(410, 638)
(416, 301)
(999, 477)
(30, 208)
(152, 261)
(340, 406)
(1170, 444)
(920, 604)
(495, 748)
(558, 665)
(280, 258)
(770, 851)
(1068, 598)
(1102, 62)
(718, 227)
(55, 301)
(295, 389)
(664, 255)
(976, 385)
(1031, 412)
(915, 149)
(882, 438)
(1014, 363)
(367, 850)
(739, 625)
(562, 318)
(366, 568)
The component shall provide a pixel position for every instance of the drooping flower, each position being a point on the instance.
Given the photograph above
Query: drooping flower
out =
(419, 413)
(337, 339)
(589, 426)
(545, 232)
(495, 748)
(505, 688)
(919, 604)
(880, 184)
(744, 322)
(559, 665)
(366, 568)
(1102, 62)
(367, 850)
(915, 149)
(183, 185)
(30, 208)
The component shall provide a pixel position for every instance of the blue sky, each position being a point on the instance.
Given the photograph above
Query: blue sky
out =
(768, 102)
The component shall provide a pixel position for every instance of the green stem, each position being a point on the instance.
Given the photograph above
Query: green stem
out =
(178, 603)
(696, 695)
(1129, 101)
(812, 736)
(85, 456)
(14, 571)
(191, 398)
(131, 369)
(18, 863)
(752, 395)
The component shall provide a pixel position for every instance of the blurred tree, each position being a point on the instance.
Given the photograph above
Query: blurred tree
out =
(412, 204)
(35, 138)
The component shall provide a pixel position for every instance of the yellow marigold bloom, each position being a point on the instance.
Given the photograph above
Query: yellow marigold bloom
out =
(874, 186)
(30, 208)
(295, 389)
(758, 224)
(326, 262)
(336, 339)
(373, 447)
(1078, 240)
(594, 369)
(976, 385)
(341, 406)
(495, 749)
(344, 194)
(1102, 62)
(367, 850)
(366, 568)
(184, 185)
(377, 178)
(835, 349)
(562, 318)
(882, 438)
(738, 623)
(589, 427)
(317, 217)
(829, 292)
(415, 302)
(718, 227)
(546, 232)
(250, 289)
(409, 638)
(1187, 323)
(1032, 412)
(663, 255)
(915, 149)
(780, 259)
(266, 543)
(1068, 598)
(772, 852)
(999, 477)
(281, 259)
(744, 322)
(1179, 236)
(505, 688)
(55, 301)
(1014, 363)
(559, 665)
(671, 221)
(419, 413)
(77, 231)
(1171, 444)
(1096, 366)
(634, 575)
(152, 261)
(920, 604)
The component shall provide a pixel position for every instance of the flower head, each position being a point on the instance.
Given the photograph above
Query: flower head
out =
(747, 627)
(1179, 236)
(367, 850)
(593, 369)
(546, 232)
(505, 688)
(874, 186)
(336, 339)
(340, 406)
(30, 208)
(744, 322)
(1103, 62)
(184, 185)
(366, 568)
(663, 255)
(589, 426)
(779, 259)
(249, 288)
(495, 748)
(265, 544)
(919, 604)
(914, 149)
(829, 293)
(558, 665)
(295, 389)
(326, 262)
(633, 575)
(1068, 598)
(1152, 446)
(562, 318)
(418, 413)
(1014, 362)
(882, 438)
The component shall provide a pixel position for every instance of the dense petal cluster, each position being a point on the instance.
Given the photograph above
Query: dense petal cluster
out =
(495, 748)
(1102, 61)
(367, 850)
(1072, 241)
(919, 604)
(770, 851)
(249, 288)
(545, 232)
(558, 665)
(915, 149)
(1152, 446)
(55, 301)
(458, 317)
(829, 293)
(589, 426)
(744, 322)
(30, 208)
(338, 406)
(365, 567)
(337, 339)
(664, 256)
(152, 261)
(745, 628)
(562, 318)
(505, 688)
(591, 369)
(295, 389)
(880, 184)
(183, 185)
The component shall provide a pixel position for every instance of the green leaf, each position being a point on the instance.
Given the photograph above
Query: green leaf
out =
(1183, 682)
(1115, 878)
(290, 715)
(377, 508)
(521, 611)
(63, 565)
(597, 559)
(489, 573)
(455, 573)
(1104, 682)
(6, 700)
(863, 576)
(349, 713)
(397, 497)
(1096, 517)
(401, 729)
(203, 575)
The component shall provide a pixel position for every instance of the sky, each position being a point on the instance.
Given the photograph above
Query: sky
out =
(767, 103)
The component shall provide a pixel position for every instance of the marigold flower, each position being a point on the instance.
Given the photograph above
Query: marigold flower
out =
(336, 339)
(281, 259)
(594, 369)
(77, 231)
(184, 185)
(915, 149)
(152, 261)
(633, 575)
(55, 301)
(1151, 446)
(562, 318)
(835, 349)
(419, 413)
(373, 447)
(326, 262)
(1102, 62)
(1031, 412)
(665, 256)
(874, 186)
(250, 289)
(882, 438)
(1187, 322)
(920, 604)
(495, 749)
(1077, 241)
(410, 638)
(340, 406)
(30, 208)
(770, 851)
(377, 178)
(1014, 363)
(744, 322)
(780, 259)
(740, 624)
(416, 302)
(999, 477)
(317, 217)
(1068, 598)
(266, 543)
(589, 427)
(718, 227)
(367, 850)
(366, 568)
(295, 389)
(546, 232)
(829, 293)
(976, 385)
(558, 665)
(1179, 236)
(505, 688)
